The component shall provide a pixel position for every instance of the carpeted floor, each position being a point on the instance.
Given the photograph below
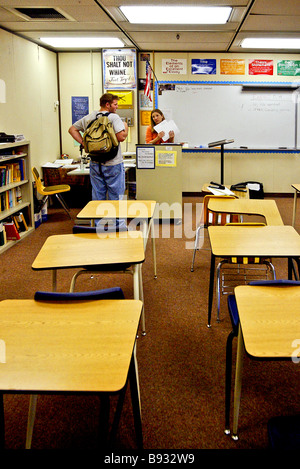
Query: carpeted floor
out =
(181, 361)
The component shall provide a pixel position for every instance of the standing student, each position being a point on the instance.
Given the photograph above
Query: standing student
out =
(107, 179)
(152, 136)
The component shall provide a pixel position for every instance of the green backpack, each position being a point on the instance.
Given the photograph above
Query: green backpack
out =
(99, 139)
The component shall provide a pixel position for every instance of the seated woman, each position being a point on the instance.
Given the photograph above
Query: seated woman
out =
(152, 136)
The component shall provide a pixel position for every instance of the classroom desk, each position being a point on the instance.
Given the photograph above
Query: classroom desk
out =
(141, 211)
(91, 251)
(296, 188)
(261, 241)
(269, 324)
(70, 347)
(85, 170)
(266, 208)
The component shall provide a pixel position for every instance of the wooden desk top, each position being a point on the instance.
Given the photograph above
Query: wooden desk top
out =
(261, 241)
(267, 208)
(79, 250)
(270, 319)
(67, 346)
(118, 209)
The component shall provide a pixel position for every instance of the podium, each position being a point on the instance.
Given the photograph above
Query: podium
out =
(221, 143)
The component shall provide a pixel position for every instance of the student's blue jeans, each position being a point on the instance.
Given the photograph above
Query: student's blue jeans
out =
(108, 182)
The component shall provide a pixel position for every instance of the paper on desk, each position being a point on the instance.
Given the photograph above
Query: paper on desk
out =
(64, 161)
(225, 191)
(166, 127)
(52, 165)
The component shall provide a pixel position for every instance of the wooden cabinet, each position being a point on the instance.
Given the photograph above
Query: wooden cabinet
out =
(16, 198)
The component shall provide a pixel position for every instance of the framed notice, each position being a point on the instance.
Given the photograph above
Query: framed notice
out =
(145, 157)
(119, 68)
(80, 107)
(166, 158)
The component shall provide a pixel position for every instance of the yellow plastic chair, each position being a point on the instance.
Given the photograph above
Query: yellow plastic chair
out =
(209, 218)
(51, 190)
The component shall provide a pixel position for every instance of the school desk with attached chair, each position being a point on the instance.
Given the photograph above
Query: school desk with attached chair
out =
(262, 241)
(269, 324)
(95, 251)
(265, 208)
(71, 346)
(140, 211)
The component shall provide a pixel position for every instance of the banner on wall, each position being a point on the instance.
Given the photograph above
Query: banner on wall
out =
(260, 67)
(173, 66)
(119, 68)
(232, 66)
(289, 68)
(204, 66)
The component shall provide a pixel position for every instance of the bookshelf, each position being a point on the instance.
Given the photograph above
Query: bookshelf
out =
(16, 196)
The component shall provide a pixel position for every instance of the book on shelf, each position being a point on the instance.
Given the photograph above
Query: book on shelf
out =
(10, 198)
(22, 224)
(2, 235)
(12, 172)
(11, 231)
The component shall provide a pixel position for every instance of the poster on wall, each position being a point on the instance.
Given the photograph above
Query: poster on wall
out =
(204, 66)
(260, 67)
(173, 66)
(288, 68)
(80, 107)
(119, 68)
(232, 66)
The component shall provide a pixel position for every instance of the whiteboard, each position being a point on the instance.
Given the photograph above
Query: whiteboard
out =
(255, 118)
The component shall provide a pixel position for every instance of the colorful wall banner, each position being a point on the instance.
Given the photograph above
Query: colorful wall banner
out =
(232, 66)
(204, 66)
(119, 68)
(260, 67)
(288, 68)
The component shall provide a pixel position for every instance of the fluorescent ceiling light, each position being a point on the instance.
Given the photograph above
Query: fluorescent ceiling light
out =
(176, 14)
(271, 43)
(82, 42)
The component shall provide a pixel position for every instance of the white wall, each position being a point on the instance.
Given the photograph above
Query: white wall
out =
(30, 77)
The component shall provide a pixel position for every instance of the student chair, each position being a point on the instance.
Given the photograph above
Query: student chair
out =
(51, 190)
(233, 271)
(284, 432)
(234, 316)
(115, 293)
(209, 218)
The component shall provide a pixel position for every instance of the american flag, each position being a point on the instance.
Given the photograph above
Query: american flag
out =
(147, 90)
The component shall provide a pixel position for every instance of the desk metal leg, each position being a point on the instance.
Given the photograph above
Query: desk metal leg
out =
(295, 207)
(138, 291)
(30, 421)
(147, 228)
(135, 399)
(153, 246)
(238, 383)
(211, 288)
